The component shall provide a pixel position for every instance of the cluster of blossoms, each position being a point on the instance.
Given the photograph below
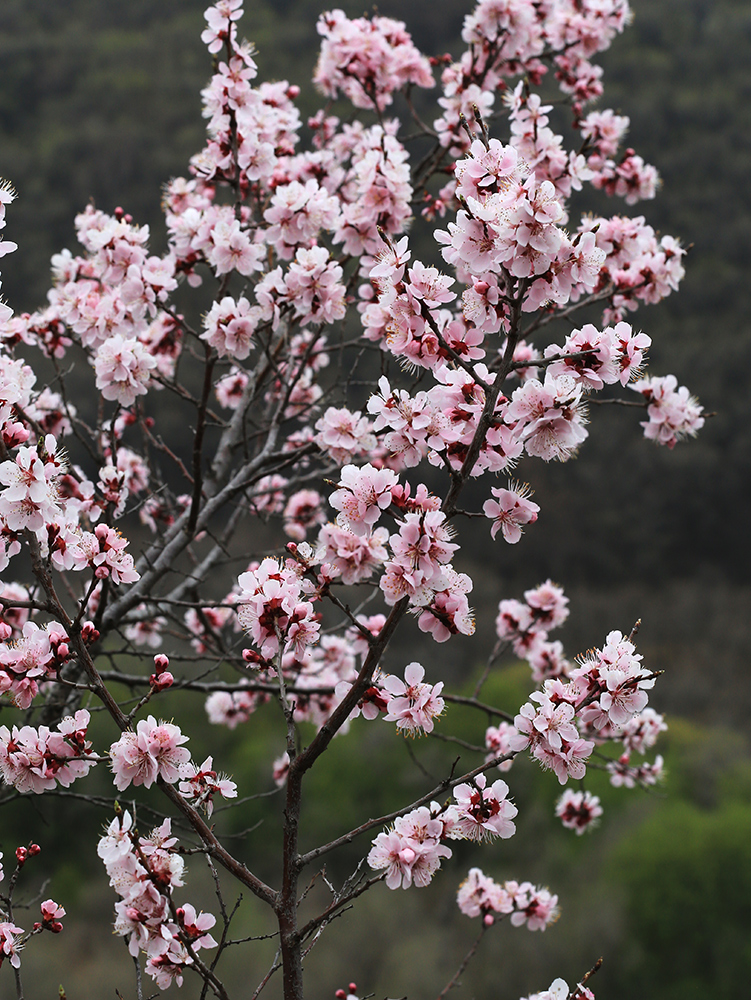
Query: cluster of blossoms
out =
(625, 775)
(418, 565)
(144, 871)
(412, 704)
(411, 850)
(524, 903)
(317, 679)
(368, 59)
(271, 607)
(509, 39)
(38, 759)
(673, 413)
(525, 625)
(288, 240)
(6, 246)
(29, 659)
(605, 691)
(41, 496)
(638, 266)
(154, 750)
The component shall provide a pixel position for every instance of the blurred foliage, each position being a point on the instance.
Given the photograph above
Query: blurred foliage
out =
(687, 874)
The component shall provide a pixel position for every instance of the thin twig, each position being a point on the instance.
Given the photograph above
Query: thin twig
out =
(454, 981)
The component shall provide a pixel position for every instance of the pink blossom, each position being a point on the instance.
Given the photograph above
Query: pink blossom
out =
(230, 388)
(447, 611)
(354, 557)
(302, 513)
(549, 417)
(229, 708)
(202, 784)
(31, 497)
(481, 811)
(220, 18)
(10, 943)
(413, 705)
(547, 660)
(230, 248)
(497, 741)
(510, 510)
(604, 130)
(549, 605)
(344, 435)
(642, 730)
(270, 606)
(51, 914)
(154, 750)
(391, 261)
(411, 851)
(362, 495)
(578, 811)
(533, 906)
(123, 367)
(623, 774)
(104, 551)
(480, 895)
(599, 364)
(230, 326)
(36, 759)
(297, 214)
(281, 769)
(195, 926)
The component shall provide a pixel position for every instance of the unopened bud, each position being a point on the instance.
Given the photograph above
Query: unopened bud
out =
(89, 633)
(162, 681)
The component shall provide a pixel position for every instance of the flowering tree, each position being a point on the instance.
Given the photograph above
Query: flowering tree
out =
(304, 268)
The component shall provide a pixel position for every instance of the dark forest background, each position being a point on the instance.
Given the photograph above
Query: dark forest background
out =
(101, 101)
